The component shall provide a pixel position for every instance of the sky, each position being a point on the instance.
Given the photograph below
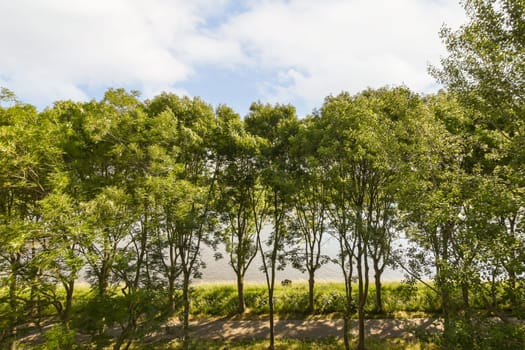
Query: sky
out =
(229, 52)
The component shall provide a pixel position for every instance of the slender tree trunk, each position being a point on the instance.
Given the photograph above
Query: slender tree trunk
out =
(346, 329)
(271, 282)
(271, 292)
(378, 286)
(240, 293)
(103, 279)
(362, 274)
(311, 290)
(445, 290)
(348, 312)
(118, 343)
(465, 295)
(272, 330)
(12, 302)
(12, 331)
(171, 293)
(349, 307)
(445, 304)
(122, 337)
(66, 315)
(493, 290)
(361, 307)
(186, 310)
(512, 288)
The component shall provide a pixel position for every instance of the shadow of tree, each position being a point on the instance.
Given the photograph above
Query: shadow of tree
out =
(235, 329)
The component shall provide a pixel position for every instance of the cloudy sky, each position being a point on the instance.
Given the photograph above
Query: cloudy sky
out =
(225, 51)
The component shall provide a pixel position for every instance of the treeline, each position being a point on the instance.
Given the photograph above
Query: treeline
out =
(129, 191)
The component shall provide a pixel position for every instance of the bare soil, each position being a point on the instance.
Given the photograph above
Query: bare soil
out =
(235, 329)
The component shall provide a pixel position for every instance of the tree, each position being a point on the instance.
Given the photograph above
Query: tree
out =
(27, 155)
(484, 71)
(194, 220)
(60, 259)
(240, 195)
(367, 140)
(453, 218)
(400, 113)
(163, 192)
(308, 221)
(276, 125)
(102, 175)
(484, 68)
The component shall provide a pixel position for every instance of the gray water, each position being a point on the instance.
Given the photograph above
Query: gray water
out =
(220, 271)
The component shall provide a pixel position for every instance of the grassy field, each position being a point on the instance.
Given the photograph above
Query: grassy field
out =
(400, 300)
(215, 301)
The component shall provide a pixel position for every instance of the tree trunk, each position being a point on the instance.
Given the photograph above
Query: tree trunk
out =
(122, 337)
(270, 295)
(362, 274)
(272, 330)
(349, 309)
(66, 315)
(442, 278)
(12, 341)
(445, 305)
(171, 293)
(361, 308)
(12, 302)
(240, 294)
(493, 289)
(186, 310)
(378, 299)
(311, 288)
(465, 295)
(512, 288)
(103, 279)
(118, 343)
(346, 329)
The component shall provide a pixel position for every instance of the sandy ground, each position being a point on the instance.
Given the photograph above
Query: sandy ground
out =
(232, 329)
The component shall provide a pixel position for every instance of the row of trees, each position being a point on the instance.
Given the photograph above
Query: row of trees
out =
(127, 192)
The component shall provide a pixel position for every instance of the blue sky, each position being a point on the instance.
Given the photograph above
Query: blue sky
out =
(225, 51)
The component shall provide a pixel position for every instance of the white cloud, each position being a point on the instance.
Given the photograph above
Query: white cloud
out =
(323, 47)
(50, 49)
(297, 50)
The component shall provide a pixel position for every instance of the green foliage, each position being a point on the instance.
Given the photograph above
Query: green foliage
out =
(483, 334)
(404, 297)
(58, 338)
(130, 190)
(400, 299)
(330, 302)
(7, 95)
(485, 62)
(95, 314)
(214, 300)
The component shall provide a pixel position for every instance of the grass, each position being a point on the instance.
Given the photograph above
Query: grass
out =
(220, 300)
(399, 300)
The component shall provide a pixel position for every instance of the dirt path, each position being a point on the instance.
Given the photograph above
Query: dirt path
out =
(228, 329)
(232, 329)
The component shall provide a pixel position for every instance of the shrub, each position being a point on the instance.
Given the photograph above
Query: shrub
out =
(59, 338)
(484, 334)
